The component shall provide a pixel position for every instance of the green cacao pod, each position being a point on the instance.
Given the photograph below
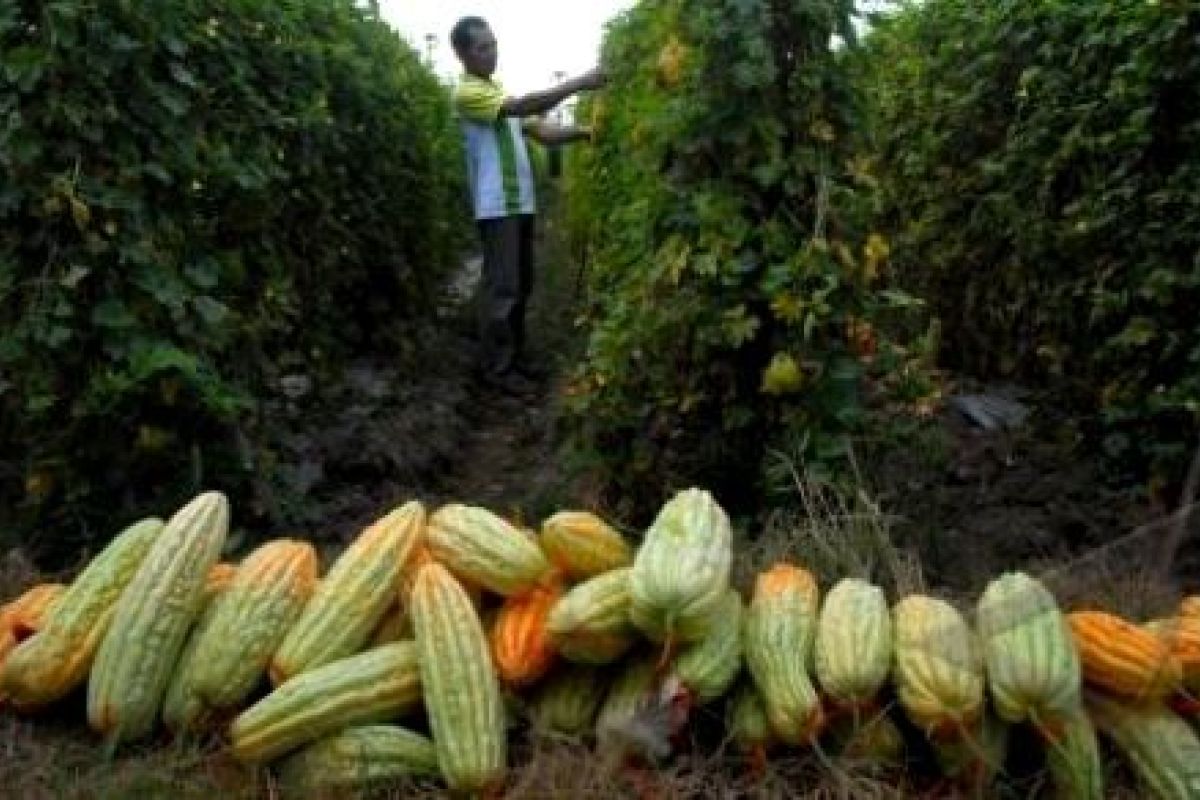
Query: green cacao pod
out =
(134, 662)
(462, 692)
(974, 759)
(748, 723)
(1073, 759)
(49, 666)
(376, 686)
(483, 549)
(357, 759)
(349, 603)
(709, 667)
(1162, 749)
(568, 700)
(182, 709)
(245, 624)
(590, 623)
(1032, 666)
(777, 640)
(681, 571)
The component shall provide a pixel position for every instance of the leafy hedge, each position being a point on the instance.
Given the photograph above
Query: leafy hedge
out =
(731, 286)
(195, 191)
(1040, 175)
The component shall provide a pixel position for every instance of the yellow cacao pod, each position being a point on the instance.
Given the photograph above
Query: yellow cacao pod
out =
(780, 627)
(1122, 658)
(351, 600)
(462, 693)
(853, 648)
(483, 549)
(582, 545)
(937, 668)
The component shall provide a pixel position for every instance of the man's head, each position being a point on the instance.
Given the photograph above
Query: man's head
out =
(475, 46)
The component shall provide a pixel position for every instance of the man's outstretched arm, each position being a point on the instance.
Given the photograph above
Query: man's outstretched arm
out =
(536, 103)
(550, 135)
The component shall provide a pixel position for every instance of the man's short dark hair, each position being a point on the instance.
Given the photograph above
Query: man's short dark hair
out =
(464, 29)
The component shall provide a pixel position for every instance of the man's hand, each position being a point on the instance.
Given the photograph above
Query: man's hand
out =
(595, 78)
(551, 135)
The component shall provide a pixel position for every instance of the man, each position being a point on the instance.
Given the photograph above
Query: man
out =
(502, 191)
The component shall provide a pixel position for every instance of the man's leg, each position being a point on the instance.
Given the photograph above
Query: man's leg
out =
(525, 275)
(501, 293)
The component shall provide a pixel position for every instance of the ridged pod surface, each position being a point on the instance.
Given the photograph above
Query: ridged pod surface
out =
(1032, 666)
(28, 614)
(582, 545)
(376, 686)
(251, 617)
(590, 623)
(134, 662)
(522, 650)
(1182, 636)
(182, 710)
(568, 700)
(681, 571)
(1073, 760)
(777, 642)
(937, 668)
(1123, 658)
(358, 758)
(350, 601)
(853, 649)
(1162, 749)
(49, 666)
(709, 667)
(462, 694)
(483, 549)
(21, 618)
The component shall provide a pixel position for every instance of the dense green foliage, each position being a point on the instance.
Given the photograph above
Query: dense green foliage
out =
(730, 284)
(1040, 179)
(199, 196)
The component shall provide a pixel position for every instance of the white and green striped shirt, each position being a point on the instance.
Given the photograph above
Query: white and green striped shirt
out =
(497, 161)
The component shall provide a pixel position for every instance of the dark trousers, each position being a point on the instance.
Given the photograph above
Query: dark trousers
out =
(504, 291)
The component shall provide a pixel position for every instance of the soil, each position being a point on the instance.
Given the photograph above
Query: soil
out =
(382, 436)
(971, 503)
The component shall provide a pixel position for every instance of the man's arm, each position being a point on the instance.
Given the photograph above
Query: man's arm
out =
(531, 105)
(551, 135)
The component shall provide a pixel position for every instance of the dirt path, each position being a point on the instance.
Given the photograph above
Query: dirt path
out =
(508, 459)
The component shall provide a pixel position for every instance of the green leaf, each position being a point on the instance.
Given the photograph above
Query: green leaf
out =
(112, 313)
(213, 312)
